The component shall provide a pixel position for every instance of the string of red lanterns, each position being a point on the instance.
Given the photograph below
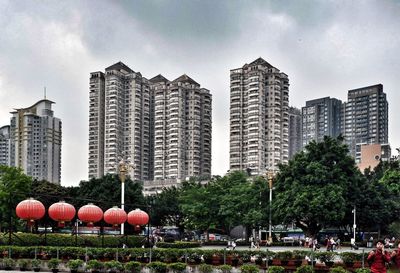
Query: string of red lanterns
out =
(31, 210)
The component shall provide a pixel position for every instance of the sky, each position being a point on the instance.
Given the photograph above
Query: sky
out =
(325, 47)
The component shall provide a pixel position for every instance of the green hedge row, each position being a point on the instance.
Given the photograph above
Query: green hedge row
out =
(28, 239)
(179, 245)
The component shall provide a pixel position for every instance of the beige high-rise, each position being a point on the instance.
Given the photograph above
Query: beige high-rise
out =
(163, 128)
(259, 118)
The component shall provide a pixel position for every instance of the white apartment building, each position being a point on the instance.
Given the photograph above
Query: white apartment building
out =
(259, 118)
(119, 122)
(5, 145)
(163, 128)
(36, 141)
(182, 129)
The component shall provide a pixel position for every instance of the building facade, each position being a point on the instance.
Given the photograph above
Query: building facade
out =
(35, 141)
(365, 118)
(321, 117)
(5, 145)
(162, 127)
(295, 129)
(259, 117)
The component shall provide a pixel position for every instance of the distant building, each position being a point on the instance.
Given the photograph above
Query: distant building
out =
(5, 145)
(295, 129)
(372, 154)
(365, 118)
(321, 117)
(162, 127)
(259, 117)
(35, 141)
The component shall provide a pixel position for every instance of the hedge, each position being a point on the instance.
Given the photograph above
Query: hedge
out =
(51, 239)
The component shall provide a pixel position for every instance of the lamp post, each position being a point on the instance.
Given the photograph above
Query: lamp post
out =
(354, 224)
(123, 171)
(270, 176)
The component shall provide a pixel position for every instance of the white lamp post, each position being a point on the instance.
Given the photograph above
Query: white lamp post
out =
(123, 171)
(270, 176)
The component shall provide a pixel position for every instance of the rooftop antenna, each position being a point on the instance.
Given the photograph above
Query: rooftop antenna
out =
(45, 92)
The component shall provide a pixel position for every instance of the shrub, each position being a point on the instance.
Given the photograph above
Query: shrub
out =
(338, 269)
(325, 256)
(114, 265)
(284, 255)
(177, 267)
(35, 263)
(205, 268)
(305, 269)
(348, 257)
(157, 267)
(94, 265)
(23, 263)
(362, 270)
(74, 264)
(225, 268)
(250, 268)
(53, 263)
(179, 245)
(133, 267)
(276, 269)
(299, 254)
(8, 263)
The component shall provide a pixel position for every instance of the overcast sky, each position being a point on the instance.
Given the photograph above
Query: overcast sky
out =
(326, 48)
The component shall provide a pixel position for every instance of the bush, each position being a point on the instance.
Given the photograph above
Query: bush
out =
(8, 263)
(35, 263)
(225, 268)
(338, 269)
(325, 256)
(305, 269)
(276, 269)
(157, 267)
(177, 267)
(362, 270)
(348, 257)
(250, 268)
(94, 265)
(133, 267)
(53, 263)
(205, 268)
(284, 255)
(74, 264)
(23, 263)
(179, 245)
(114, 265)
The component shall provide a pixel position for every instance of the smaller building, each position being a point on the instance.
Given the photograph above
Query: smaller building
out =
(5, 145)
(372, 154)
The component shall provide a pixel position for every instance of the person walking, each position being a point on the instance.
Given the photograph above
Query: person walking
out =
(378, 258)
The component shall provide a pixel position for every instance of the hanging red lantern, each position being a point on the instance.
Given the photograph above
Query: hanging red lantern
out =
(138, 218)
(90, 214)
(115, 216)
(62, 212)
(30, 210)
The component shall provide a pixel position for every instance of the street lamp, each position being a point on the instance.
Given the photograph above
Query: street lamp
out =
(123, 168)
(354, 224)
(270, 176)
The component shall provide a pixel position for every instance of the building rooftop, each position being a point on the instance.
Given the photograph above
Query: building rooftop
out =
(185, 78)
(120, 66)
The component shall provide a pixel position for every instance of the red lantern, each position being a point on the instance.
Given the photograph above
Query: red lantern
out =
(61, 212)
(90, 214)
(138, 218)
(30, 210)
(115, 216)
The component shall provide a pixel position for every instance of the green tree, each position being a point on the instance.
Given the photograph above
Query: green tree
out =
(318, 187)
(14, 187)
(165, 208)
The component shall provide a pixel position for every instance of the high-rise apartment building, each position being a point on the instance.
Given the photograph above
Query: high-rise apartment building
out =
(163, 128)
(35, 136)
(365, 118)
(295, 130)
(182, 129)
(321, 117)
(5, 145)
(259, 118)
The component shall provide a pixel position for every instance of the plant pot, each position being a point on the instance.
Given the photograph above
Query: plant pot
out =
(74, 270)
(54, 270)
(8, 268)
(297, 262)
(22, 269)
(284, 262)
(36, 269)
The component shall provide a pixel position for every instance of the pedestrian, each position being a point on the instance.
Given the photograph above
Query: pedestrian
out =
(396, 256)
(338, 243)
(233, 245)
(378, 258)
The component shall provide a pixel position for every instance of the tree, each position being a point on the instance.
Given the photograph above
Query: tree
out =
(318, 187)
(165, 208)
(14, 187)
